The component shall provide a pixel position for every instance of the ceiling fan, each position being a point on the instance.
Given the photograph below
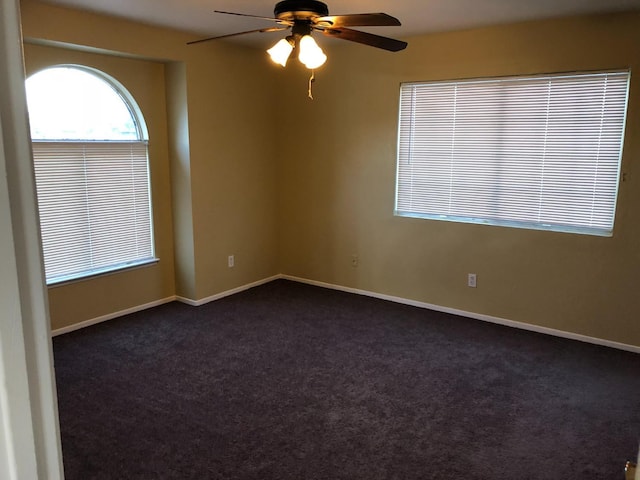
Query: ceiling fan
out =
(305, 16)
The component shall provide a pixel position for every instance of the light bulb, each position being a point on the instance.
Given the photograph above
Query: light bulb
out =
(310, 53)
(280, 52)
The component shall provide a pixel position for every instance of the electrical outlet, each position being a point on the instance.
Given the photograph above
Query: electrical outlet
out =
(471, 280)
(354, 260)
(231, 261)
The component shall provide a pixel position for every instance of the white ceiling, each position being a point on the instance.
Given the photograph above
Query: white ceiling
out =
(417, 16)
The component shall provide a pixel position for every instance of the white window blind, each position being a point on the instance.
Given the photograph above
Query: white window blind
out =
(541, 152)
(94, 206)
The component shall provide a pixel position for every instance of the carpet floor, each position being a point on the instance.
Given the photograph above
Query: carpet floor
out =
(289, 381)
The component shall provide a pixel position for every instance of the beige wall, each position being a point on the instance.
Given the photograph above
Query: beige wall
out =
(144, 80)
(233, 169)
(297, 187)
(212, 156)
(180, 153)
(337, 195)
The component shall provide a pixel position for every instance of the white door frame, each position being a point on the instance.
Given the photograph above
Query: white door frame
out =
(29, 429)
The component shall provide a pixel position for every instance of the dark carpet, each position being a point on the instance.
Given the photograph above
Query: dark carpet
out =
(289, 381)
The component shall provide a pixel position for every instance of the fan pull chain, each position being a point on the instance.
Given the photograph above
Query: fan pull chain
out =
(311, 80)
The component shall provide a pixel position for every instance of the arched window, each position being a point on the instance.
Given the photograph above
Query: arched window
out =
(92, 174)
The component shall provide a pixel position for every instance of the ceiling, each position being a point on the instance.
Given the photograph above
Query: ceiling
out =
(417, 16)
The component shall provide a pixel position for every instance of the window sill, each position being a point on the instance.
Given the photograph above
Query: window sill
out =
(546, 227)
(70, 279)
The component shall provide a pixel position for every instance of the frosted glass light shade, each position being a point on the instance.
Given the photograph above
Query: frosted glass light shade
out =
(311, 55)
(280, 52)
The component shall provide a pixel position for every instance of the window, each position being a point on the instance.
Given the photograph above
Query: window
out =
(92, 175)
(542, 152)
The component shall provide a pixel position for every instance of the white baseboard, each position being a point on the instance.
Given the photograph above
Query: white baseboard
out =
(218, 296)
(476, 316)
(404, 301)
(188, 301)
(110, 316)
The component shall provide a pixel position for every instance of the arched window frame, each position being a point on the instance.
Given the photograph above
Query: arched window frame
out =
(117, 252)
(123, 93)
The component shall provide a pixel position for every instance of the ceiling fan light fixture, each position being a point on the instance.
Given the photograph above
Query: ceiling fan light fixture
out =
(281, 51)
(311, 55)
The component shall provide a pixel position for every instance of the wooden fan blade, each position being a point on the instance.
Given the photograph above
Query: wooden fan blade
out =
(365, 38)
(261, 30)
(357, 20)
(247, 15)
